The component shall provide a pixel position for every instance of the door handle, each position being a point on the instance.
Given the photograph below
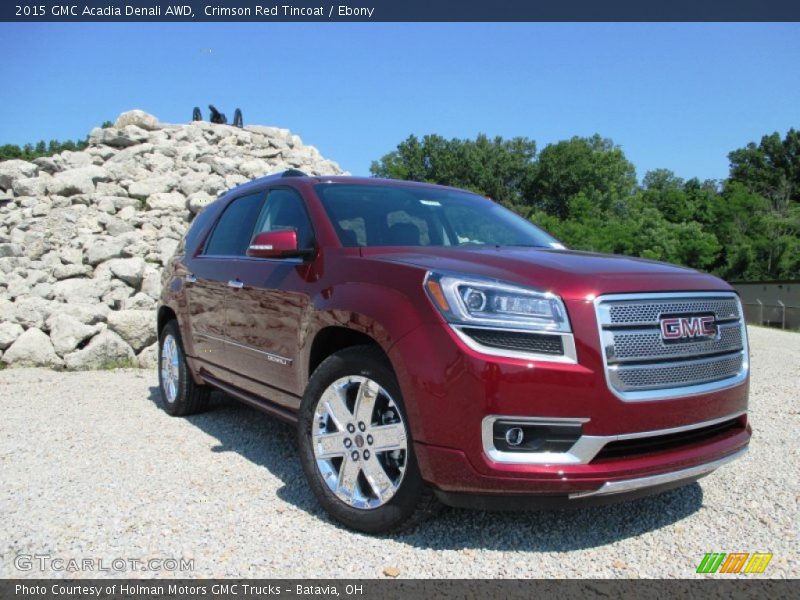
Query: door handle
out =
(190, 278)
(235, 283)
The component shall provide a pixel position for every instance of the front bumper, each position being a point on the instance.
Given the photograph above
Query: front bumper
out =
(450, 389)
(620, 491)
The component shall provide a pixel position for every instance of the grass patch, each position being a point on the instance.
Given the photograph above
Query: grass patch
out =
(112, 365)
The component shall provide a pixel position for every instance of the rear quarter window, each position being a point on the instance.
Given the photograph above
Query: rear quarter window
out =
(196, 231)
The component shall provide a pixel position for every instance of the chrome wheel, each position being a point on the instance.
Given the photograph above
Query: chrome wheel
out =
(170, 368)
(360, 443)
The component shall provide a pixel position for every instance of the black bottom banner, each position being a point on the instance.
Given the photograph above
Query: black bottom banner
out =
(389, 589)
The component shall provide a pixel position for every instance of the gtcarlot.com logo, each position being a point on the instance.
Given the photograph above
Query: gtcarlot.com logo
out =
(46, 562)
(735, 562)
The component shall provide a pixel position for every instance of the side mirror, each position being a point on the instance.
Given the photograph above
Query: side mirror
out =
(276, 244)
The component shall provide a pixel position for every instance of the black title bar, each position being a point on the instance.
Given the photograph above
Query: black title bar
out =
(399, 10)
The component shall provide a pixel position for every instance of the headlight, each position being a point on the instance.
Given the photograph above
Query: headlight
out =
(470, 300)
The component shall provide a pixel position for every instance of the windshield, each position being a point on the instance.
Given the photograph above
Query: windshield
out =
(377, 215)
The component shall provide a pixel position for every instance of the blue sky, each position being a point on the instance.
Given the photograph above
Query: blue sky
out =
(677, 96)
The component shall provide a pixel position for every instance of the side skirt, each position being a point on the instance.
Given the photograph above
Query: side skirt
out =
(258, 402)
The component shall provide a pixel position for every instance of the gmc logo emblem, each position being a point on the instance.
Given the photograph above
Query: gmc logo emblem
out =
(674, 329)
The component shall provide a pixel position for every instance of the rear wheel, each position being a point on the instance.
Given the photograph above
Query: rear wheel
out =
(181, 396)
(356, 447)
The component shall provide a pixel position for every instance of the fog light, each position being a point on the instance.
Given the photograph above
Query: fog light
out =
(532, 435)
(514, 436)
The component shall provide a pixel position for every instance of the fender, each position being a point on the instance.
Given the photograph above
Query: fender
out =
(381, 313)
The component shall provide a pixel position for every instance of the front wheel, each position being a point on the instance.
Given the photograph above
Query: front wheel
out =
(181, 396)
(355, 444)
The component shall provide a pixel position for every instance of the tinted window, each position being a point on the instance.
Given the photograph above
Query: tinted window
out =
(377, 215)
(234, 229)
(285, 210)
(198, 226)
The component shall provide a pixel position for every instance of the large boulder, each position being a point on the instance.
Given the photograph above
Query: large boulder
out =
(139, 118)
(171, 201)
(88, 313)
(31, 186)
(32, 349)
(148, 358)
(152, 185)
(76, 181)
(7, 250)
(129, 270)
(136, 327)
(31, 311)
(121, 137)
(9, 332)
(105, 350)
(67, 332)
(81, 290)
(166, 249)
(11, 170)
(104, 250)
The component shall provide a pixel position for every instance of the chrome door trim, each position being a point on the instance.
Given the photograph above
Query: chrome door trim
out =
(270, 356)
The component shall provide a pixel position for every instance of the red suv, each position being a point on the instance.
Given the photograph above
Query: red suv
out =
(431, 345)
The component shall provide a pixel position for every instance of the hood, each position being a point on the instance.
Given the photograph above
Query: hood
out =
(568, 273)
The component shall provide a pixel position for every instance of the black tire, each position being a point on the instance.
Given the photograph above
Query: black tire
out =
(189, 398)
(413, 500)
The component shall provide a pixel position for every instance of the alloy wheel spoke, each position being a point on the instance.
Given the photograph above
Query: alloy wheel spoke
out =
(388, 437)
(365, 402)
(378, 479)
(348, 478)
(334, 402)
(329, 445)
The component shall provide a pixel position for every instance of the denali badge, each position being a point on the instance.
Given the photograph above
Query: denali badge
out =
(675, 328)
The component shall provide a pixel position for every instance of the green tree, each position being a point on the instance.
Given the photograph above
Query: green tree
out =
(498, 168)
(771, 168)
(594, 167)
(584, 192)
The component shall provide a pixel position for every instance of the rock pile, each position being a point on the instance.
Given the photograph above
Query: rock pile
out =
(84, 235)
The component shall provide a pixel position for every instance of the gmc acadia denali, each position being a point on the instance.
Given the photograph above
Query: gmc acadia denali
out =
(431, 345)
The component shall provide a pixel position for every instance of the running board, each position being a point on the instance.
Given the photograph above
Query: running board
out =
(261, 404)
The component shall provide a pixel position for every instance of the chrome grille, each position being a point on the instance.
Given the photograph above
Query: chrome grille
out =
(643, 311)
(646, 344)
(676, 374)
(641, 366)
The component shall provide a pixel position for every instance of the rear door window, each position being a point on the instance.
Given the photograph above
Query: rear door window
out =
(233, 231)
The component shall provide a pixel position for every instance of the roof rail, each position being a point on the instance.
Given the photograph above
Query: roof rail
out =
(293, 173)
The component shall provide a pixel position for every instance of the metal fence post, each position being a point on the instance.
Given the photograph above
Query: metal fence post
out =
(760, 312)
(783, 314)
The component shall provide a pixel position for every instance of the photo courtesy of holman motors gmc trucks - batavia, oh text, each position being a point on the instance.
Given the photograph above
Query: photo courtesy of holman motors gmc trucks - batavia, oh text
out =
(433, 347)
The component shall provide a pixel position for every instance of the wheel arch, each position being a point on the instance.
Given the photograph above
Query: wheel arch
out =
(165, 315)
(333, 338)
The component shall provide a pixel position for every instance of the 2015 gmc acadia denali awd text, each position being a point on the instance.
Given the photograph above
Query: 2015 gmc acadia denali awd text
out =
(431, 345)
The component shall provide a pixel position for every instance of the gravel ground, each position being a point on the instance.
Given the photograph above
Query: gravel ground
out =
(92, 468)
